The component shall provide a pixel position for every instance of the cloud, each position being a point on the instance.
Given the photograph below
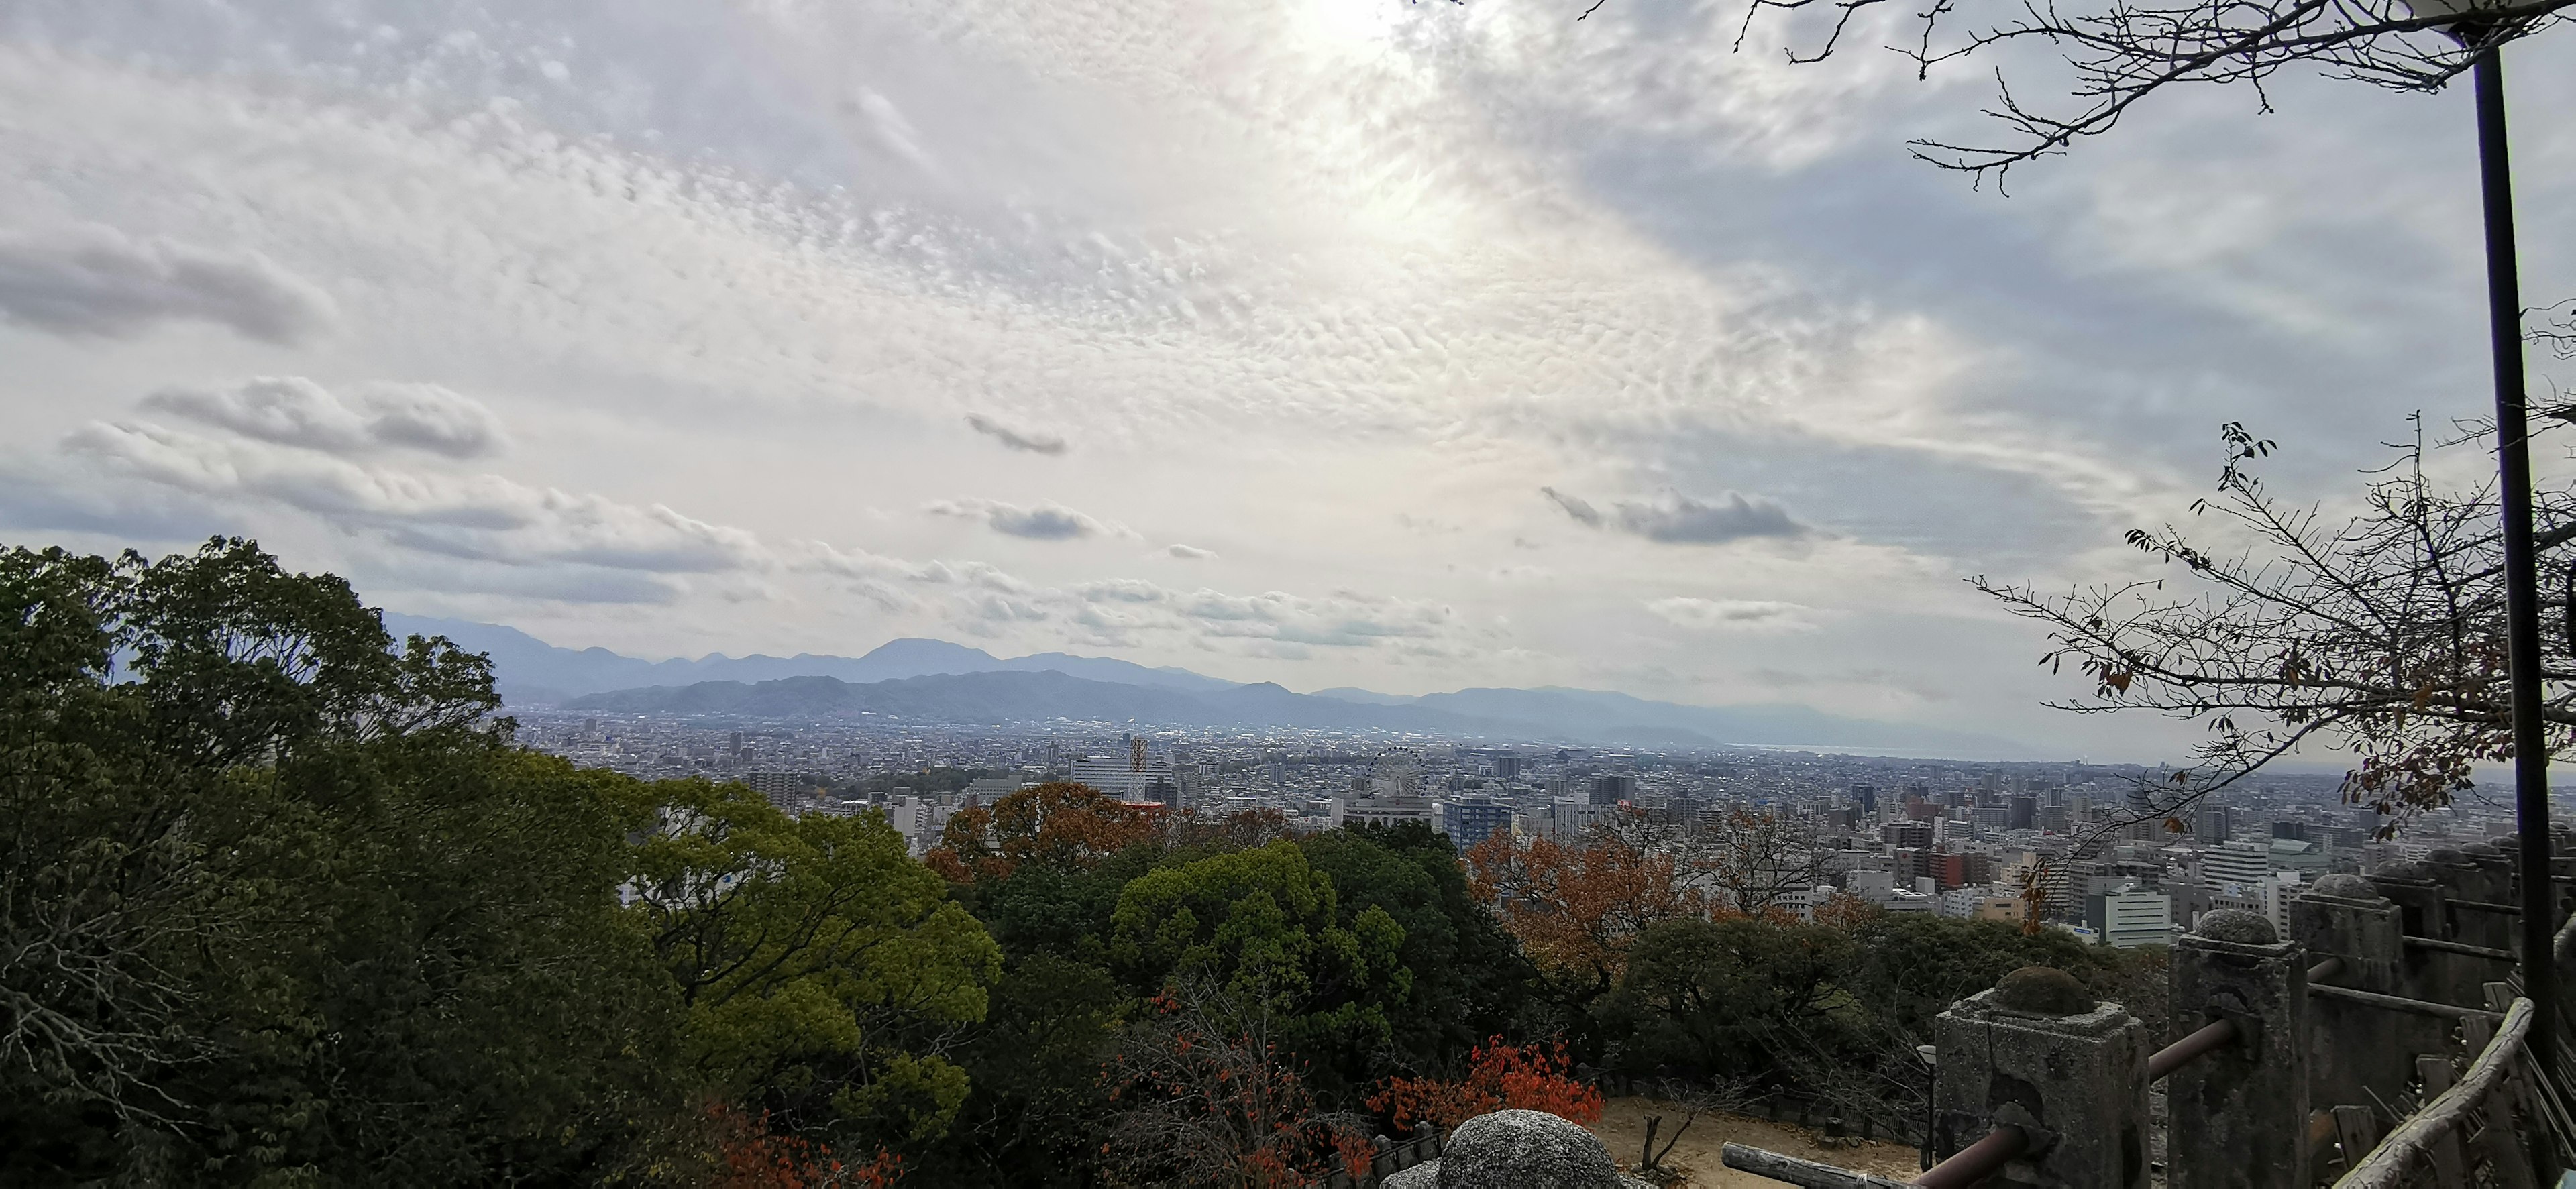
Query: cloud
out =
(1032, 441)
(1044, 522)
(294, 411)
(1674, 518)
(476, 517)
(1759, 615)
(94, 281)
(1133, 612)
(1189, 552)
(1575, 506)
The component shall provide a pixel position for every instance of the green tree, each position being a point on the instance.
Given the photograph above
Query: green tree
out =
(824, 973)
(281, 903)
(1712, 998)
(1264, 924)
(1468, 977)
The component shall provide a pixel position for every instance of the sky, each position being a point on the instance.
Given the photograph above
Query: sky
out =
(1410, 346)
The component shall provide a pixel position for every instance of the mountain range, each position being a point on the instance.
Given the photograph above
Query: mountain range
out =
(936, 681)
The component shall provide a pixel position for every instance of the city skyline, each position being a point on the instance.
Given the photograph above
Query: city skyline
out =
(1401, 347)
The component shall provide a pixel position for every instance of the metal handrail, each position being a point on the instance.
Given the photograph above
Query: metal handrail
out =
(2421, 1007)
(1977, 1161)
(2386, 1165)
(2461, 947)
(1968, 1166)
(2209, 1039)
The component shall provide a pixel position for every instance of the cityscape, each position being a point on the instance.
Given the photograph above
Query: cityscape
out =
(1955, 838)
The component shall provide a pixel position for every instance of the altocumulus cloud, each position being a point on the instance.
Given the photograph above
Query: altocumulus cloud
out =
(96, 281)
(471, 517)
(1674, 518)
(1762, 615)
(1031, 440)
(1043, 522)
(294, 411)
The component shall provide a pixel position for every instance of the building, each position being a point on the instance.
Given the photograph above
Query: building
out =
(1121, 777)
(1982, 902)
(1507, 767)
(2235, 863)
(1381, 810)
(1470, 820)
(1946, 869)
(792, 792)
(2268, 898)
(988, 789)
(1611, 788)
(2129, 917)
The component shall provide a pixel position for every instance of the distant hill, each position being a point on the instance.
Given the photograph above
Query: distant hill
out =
(533, 672)
(1022, 698)
(1026, 697)
(936, 681)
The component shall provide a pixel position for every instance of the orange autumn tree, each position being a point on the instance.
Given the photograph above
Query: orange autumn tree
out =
(1576, 908)
(751, 1156)
(1499, 1077)
(1058, 824)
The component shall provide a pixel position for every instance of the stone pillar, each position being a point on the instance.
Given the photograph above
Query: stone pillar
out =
(2483, 878)
(2418, 896)
(2356, 1051)
(2239, 1115)
(2037, 1052)
(2424, 900)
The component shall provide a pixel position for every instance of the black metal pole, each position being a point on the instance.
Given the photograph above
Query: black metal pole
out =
(2521, 574)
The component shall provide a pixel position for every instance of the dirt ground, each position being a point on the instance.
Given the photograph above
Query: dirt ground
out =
(1623, 1129)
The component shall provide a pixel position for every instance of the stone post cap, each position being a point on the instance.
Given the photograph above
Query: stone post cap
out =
(2237, 926)
(2447, 856)
(2345, 887)
(2406, 871)
(2482, 852)
(2042, 999)
(1517, 1150)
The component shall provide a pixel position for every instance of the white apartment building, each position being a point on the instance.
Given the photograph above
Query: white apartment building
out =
(2130, 916)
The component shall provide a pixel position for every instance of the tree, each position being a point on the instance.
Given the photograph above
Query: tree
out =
(1207, 1095)
(1037, 1110)
(1499, 1076)
(1263, 925)
(1709, 998)
(1577, 908)
(2120, 54)
(1467, 976)
(281, 901)
(1059, 825)
(1751, 858)
(2380, 634)
(824, 974)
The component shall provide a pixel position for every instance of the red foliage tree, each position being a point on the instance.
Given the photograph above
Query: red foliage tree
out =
(751, 1156)
(1059, 824)
(1499, 1077)
(1205, 1097)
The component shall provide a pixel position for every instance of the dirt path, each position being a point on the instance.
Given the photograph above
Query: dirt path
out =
(1623, 1128)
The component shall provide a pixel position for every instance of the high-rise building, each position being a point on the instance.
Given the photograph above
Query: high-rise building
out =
(2130, 916)
(1507, 767)
(1470, 820)
(2022, 813)
(2211, 825)
(2232, 865)
(1866, 796)
(1611, 788)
